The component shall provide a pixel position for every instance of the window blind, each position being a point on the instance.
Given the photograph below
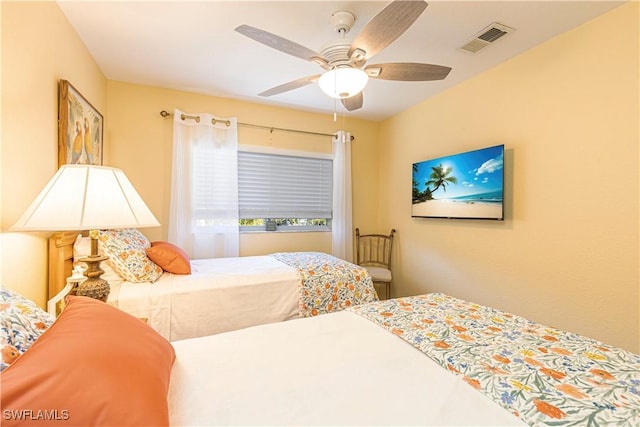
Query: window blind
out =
(280, 186)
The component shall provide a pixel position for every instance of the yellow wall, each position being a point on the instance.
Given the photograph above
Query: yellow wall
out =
(140, 144)
(567, 253)
(39, 47)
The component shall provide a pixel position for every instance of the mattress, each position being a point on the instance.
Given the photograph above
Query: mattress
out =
(334, 369)
(221, 294)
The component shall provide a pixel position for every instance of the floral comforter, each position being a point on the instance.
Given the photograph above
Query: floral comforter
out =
(542, 375)
(328, 283)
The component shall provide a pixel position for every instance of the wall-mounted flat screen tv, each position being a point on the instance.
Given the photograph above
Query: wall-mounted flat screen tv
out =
(465, 185)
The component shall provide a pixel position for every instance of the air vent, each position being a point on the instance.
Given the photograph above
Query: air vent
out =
(485, 37)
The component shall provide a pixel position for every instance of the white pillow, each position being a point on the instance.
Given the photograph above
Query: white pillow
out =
(82, 248)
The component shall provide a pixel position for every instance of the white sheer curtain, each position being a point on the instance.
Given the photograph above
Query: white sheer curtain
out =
(342, 223)
(203, 216)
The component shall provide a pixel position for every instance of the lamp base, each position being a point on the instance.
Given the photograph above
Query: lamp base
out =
(94, 286)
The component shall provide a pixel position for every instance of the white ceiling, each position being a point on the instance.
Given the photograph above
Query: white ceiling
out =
(192, 45)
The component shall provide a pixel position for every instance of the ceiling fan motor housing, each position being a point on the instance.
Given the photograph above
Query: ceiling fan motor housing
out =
(337, 53)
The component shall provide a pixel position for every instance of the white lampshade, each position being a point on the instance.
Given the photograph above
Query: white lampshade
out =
(84, 197)
(343, 82)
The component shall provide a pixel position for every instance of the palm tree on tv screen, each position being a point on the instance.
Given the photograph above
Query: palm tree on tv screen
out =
(440, 177)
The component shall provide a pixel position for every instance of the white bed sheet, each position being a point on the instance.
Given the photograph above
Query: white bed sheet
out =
(220, 295)
(334, 369)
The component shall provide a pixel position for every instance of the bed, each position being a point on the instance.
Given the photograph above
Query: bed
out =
(424, 360)
(221, 294)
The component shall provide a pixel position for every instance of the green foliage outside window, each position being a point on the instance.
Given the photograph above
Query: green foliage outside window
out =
(286, 222)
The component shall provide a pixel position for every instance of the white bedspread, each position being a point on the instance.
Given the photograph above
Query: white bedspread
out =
(334, 369)
(222, 294)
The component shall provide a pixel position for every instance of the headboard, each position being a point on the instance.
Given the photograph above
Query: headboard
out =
(60, 260)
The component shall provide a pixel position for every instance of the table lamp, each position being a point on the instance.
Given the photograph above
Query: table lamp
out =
(88, 197)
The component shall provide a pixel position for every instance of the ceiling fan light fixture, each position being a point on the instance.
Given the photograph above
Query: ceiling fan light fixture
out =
(343, 82)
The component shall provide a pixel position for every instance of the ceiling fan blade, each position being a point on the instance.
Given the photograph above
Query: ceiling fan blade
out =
(277, 42)
(286, 87)
(387, 26)
(353, 103)
(407, 71)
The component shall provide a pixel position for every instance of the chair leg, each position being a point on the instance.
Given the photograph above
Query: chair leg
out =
(388, 290)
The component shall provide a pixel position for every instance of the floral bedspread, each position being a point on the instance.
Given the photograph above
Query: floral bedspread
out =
(542, 375)
(328, 283)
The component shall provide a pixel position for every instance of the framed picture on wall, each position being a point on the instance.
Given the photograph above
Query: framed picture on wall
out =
(80, 128)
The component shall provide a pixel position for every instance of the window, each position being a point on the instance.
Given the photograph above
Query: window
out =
(284, 192)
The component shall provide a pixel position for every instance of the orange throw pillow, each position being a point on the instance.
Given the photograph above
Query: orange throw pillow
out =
(169, 257)
(95, 366)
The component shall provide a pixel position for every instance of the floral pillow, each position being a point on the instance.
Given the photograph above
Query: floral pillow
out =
(21, 323)
(126, 250)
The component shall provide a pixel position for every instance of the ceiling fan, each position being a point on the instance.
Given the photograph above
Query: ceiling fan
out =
(346, 73)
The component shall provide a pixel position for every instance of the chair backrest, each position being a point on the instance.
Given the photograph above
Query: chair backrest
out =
(374, 249)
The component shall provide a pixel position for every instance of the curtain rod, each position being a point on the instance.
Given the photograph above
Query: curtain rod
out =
(165, 113)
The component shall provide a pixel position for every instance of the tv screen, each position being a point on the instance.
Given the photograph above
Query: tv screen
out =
(465, 185)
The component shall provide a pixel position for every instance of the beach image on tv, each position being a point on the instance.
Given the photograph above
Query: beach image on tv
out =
(466, 185)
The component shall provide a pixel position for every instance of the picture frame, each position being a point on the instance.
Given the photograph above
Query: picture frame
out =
(80, 128)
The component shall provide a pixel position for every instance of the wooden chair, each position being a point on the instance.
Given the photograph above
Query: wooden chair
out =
(373, 251)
